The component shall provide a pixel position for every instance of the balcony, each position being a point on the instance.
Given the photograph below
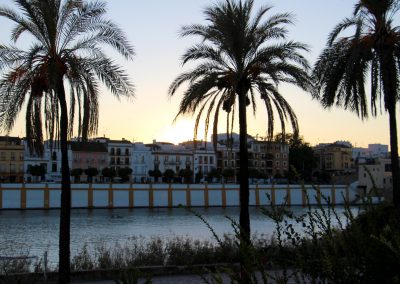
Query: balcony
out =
(171, 163)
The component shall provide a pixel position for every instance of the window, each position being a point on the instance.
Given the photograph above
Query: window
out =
(12, 156)
(211, 160)
(54, 156)
(205, 159)
(112, 152)
(126, 151)
(200, 159)
(126, 161)
(284, 156)
(277, 164)
(54, 167)
(118, 151)
(118, 161)
(112, 162)
(277, 155)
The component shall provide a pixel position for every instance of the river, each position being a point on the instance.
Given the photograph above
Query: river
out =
(32, 232)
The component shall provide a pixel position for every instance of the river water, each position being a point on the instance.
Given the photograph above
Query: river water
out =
(32, 232)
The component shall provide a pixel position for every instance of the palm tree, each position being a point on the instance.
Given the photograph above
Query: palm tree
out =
(67, 35)
(373, 49)
(239, 56)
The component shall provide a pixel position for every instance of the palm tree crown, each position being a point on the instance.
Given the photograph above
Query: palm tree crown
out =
(240, 54)
(372, 50)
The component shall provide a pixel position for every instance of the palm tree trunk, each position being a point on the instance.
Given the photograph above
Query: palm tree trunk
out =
(389, 79)
(394, 155)
(65, 215)
(244, 218)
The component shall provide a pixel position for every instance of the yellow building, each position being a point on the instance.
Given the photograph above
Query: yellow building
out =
(11, 159)
(335, 157)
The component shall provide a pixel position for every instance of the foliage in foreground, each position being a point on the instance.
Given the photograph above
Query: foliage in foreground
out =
(326, 249)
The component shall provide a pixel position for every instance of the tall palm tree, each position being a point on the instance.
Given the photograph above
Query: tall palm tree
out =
(241, 54)
(67, 37)
(372, 48)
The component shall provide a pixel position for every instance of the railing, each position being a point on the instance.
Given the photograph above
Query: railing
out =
(45, 196)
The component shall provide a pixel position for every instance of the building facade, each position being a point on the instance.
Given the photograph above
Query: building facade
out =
(335, 158)
(141, 162)
(271, 159)
(11, 159)
(120, 152)
(167, 156)
(87, 155)
(375, 173)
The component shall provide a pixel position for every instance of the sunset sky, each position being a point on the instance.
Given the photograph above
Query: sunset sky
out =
(152, 26)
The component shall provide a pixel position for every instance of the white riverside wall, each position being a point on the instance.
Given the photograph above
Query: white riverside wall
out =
(47, 196)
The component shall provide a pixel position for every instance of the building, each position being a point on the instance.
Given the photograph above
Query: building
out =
(269, 158)
(120, 152)
(52, 154)
(11, 159)
(361, 155)
(375, 173)
(204, 158)
(141, 162)
(167, 156)
(335, 158)
(87, 155)
(31, 160)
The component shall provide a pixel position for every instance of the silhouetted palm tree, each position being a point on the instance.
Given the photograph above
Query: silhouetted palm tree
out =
(240, 55)
(372, 50)
(67, 35)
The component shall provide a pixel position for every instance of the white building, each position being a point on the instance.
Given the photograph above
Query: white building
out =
(119, 153)
(361, 155)
(378, 150)
(204, 157)
(141, 162)
(377, 173)
(33, 159)
(169, 156)
(52, 154)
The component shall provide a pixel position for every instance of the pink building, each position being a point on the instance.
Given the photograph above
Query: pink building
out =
(89, 155)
